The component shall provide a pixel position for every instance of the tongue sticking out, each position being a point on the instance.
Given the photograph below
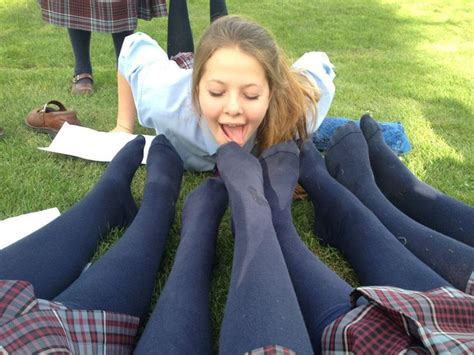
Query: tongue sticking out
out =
(235, 134)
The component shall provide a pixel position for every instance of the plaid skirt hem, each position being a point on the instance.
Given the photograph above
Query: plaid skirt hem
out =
(103, 16)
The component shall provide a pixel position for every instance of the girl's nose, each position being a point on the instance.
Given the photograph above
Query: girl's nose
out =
(233, 107)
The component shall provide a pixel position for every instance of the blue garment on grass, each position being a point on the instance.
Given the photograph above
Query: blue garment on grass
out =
(393, 133)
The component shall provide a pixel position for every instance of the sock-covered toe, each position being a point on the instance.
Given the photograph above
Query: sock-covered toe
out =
(280, 166)
(342, 132)
(370, 128)
(347, 158)
(161, 142)
(126, 161)
(286, 147)
(164, 164)
(232, 160)
(310, 156)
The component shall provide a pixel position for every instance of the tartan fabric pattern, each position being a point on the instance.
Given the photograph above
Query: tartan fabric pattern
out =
(29, 325)
(101, 15)
(397, 321)
(271, 350)
(185, 60)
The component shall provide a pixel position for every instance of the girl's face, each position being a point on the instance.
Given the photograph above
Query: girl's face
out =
(233, 95)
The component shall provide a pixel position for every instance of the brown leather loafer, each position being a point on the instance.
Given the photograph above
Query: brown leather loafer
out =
(82, 84)
(46, 119)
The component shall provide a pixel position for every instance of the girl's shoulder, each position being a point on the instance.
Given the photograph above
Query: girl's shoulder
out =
(316, 62)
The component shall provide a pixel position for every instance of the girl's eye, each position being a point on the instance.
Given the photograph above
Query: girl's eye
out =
(215, 94)
(250, 97)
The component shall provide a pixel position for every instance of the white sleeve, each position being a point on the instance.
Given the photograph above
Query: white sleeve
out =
(161, 89)
(317, 67)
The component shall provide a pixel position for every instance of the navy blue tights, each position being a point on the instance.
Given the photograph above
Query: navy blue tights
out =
(180, 37)
(347, 160)
(122, 280)
(261, 308)
(54, 256)
(180, 323)
(413, 197)
(80, 41)
(343, 222)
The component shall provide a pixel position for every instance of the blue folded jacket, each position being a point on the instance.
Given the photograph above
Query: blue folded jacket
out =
(393, 133)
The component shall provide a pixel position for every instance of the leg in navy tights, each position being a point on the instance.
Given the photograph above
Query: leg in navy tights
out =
(118, 41)
(322, 294)
(122, 280)
(413, 197)
(347, 160)
(375, 255)
(54, 256)
(261, 308)
(180, 36)
(217, 8)
(180, 323)
(80, 41)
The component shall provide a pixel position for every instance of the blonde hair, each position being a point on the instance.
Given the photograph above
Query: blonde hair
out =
(292, 96)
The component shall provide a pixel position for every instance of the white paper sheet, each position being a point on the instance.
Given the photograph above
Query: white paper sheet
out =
(89, 144)
(15, 228)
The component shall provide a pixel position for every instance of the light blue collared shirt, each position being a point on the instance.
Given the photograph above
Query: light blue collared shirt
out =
(162, 95)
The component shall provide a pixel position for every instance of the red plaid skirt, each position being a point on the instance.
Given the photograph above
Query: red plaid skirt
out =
(101, 15)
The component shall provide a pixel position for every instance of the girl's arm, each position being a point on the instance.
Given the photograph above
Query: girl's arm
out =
(127, 112)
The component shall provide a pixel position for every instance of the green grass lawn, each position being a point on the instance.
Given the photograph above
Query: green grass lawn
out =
(404, 61)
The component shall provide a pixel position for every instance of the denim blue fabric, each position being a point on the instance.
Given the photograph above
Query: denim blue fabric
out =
(393, 133)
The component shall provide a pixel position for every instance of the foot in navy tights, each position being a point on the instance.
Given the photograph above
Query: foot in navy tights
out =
(345, 223)
(122, 280)
(347, 160)
(54, 256)
(261, 308)
(322, 295)
(413, 197)
(183, 306)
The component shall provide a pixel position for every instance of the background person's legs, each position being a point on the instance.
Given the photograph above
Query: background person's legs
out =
(122, 280)
(180, 322)
(217, 8)
(347, 160)
(118, 41)
(413, 197)
(261, 308)
(82, 82)
(54, 256)
(180, 36)
(80, 41)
